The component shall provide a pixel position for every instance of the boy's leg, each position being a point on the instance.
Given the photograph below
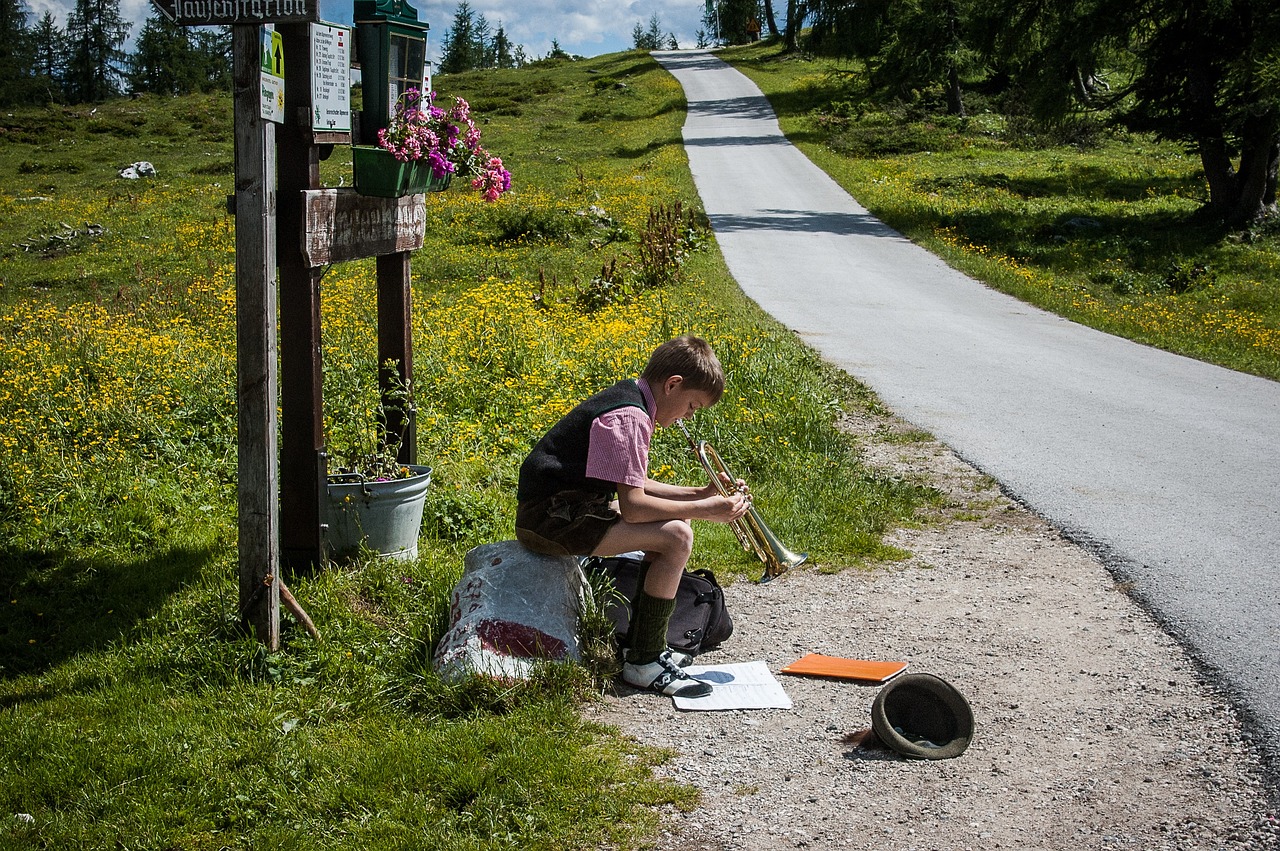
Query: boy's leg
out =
(667, 546)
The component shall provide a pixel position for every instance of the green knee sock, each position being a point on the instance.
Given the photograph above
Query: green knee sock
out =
(649, 620)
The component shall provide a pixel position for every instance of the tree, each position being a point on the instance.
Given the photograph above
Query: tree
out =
(1203, 72)
(734, 17)
(211, 48)
(481, 44)
(769, 19)
(909, 45)
(796, 14)
(96, 34)
(557, 52)
(502, 54)
(459, 42)
(16, 58)
(650, 39)
(164, 61)
(49, 51)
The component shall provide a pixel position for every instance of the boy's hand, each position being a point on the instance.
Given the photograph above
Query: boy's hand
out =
(727, 485)
(735, 505)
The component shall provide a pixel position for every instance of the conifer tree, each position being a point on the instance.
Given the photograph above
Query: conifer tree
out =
(96, 34)
(212, 51)
(459, 41)
(49, 52)
(481, 47)
(164, 61)
(15, 52)
(502, 55)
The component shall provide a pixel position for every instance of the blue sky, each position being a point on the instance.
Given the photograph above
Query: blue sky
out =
(585, 27)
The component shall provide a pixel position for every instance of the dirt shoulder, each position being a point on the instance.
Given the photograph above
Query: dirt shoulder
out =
(1094, 729)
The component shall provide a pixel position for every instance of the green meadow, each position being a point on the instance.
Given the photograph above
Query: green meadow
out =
(135, 712)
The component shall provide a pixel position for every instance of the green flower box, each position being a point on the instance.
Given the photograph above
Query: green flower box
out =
(378, 173)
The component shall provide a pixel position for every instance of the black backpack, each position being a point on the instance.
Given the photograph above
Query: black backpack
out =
(700, 620)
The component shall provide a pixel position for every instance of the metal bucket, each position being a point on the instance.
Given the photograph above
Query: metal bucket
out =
(385, 516)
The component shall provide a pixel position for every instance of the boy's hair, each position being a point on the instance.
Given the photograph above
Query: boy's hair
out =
(692, 359)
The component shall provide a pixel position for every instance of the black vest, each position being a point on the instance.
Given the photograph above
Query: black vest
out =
(558, 462)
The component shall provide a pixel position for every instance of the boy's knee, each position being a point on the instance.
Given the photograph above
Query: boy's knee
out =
(681, 534)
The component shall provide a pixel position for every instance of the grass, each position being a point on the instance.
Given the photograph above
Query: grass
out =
(1096, 225)
(133, 710)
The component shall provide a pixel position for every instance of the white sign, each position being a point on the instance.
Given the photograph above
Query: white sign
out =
(330, 78)
(272, 75)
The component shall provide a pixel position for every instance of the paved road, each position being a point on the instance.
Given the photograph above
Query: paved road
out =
(1167, 467)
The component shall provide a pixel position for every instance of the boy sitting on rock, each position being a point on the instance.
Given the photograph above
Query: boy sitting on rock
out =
(600, 449)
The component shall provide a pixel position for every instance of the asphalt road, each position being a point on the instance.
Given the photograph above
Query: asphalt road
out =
(1166, 467)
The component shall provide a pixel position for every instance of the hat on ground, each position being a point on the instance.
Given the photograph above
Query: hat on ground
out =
(922, 716)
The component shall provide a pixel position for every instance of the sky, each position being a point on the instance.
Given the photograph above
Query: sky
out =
(582, 27)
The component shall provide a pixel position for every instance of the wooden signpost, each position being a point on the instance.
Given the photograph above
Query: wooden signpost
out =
(255, 202)
(286, 222)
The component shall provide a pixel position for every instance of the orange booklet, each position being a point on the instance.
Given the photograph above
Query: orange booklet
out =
(817, 665)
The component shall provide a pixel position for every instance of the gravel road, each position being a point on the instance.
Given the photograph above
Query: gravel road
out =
(1095, 730)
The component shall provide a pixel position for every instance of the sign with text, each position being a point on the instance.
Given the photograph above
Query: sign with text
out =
(200, 13)
(330, 77)
(272, 75)
(343, 225)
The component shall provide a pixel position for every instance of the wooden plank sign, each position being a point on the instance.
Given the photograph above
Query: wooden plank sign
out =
(344, 225)
(199, 13)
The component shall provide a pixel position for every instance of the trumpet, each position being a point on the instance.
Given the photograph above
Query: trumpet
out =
(751, 531)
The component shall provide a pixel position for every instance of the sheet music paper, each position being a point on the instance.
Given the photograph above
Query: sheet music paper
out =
(742, 685)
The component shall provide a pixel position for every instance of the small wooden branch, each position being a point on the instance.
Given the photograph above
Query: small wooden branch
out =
(295, 608)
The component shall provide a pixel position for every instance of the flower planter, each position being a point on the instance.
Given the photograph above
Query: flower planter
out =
(385, 517)
(377, 172)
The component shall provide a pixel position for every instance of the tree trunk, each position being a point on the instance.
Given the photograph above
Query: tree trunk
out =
(792, 24)
(955, 99)
(1242, 197)
(769, 18)
(1256, 179)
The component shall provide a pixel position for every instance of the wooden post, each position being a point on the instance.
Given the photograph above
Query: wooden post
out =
(395, 343)
(302, 478)
(255, 167)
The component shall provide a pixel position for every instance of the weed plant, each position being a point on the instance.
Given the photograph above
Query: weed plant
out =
(1097, 225)
(134, 712)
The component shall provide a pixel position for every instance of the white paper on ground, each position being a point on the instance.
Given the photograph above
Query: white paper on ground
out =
(742, 685)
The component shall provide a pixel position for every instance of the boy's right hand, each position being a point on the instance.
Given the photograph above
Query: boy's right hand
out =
(734, 505)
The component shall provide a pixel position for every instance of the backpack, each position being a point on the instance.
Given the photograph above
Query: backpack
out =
(700, 621)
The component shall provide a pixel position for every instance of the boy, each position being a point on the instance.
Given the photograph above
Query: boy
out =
(601, 448)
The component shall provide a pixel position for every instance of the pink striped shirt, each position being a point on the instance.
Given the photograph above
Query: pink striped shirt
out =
(618, 450)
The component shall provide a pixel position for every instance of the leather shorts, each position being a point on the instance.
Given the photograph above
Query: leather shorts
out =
(570, 523)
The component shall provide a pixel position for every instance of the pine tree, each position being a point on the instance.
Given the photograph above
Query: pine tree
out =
(502, 54)
(1201, 72)
(734, 17)
(459, 40)
(15, 52)
(211, 48)
(164, 61)
(651, 38)
(96, 34)
(49, 51)
(481, 44)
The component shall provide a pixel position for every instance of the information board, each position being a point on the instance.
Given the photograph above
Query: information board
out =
(272, 75)
(330, 77)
